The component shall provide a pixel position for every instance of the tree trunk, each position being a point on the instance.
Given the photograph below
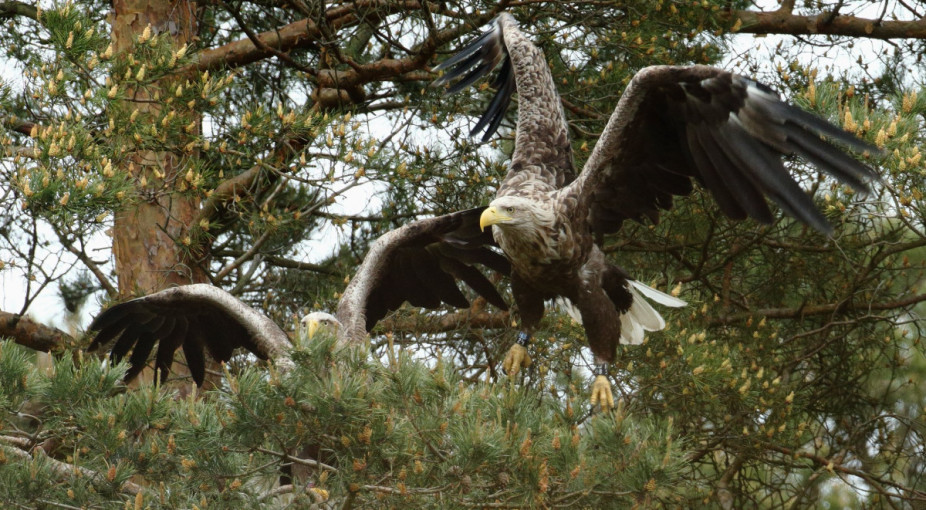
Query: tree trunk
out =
(148, 236)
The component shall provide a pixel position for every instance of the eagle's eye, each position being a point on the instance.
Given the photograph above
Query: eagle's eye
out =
(509, 209)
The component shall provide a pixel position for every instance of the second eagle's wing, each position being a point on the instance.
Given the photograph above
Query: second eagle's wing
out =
(419, 263)
(196, 318)
(728, 132)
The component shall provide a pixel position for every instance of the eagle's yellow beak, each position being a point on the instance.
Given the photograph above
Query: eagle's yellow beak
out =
(311, 327)
(491, 216)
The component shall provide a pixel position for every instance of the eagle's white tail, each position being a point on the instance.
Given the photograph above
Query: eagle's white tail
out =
(640, 317)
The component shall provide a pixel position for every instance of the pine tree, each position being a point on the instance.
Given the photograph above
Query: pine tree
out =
(211, 143)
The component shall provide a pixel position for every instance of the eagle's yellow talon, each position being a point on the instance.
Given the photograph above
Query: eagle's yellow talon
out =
(601, 393)
(516, 358)
(320, 495)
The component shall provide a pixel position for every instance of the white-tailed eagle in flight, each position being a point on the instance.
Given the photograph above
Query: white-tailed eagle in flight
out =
(672, 124)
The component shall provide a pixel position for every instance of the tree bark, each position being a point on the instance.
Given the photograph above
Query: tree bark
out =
(9, 10)
(784, 22)
(27, 332)
(148, 236)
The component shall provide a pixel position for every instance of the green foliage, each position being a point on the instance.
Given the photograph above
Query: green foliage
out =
(402, 433)
(14, 370)
(795, 371)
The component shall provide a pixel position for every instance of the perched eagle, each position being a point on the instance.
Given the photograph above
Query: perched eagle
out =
(671, 124)
(420, 263)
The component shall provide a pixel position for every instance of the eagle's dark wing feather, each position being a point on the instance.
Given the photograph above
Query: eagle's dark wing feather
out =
(474, 61)
(194, 317)
(126, 340)
(139, 358)
(726, 131)
(493, 116)
(475, 280)
(420, 263)
(542, 147)
(164, 357)
(193, 350)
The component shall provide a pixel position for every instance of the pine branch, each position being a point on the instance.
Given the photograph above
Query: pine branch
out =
(20, 152)
(723, 485)
(824, 309)
(242, 184)
(18, 125)
(838, 466)
(65, 470)
(371, 219)
(9, 10)
(301, 34)
(88, 262)
(312, 463)
(278, 261)
(20, 442)
(306, 33)
(29, 333)
(783, 21)
(259, 43)
(429, 324)
(786, 6)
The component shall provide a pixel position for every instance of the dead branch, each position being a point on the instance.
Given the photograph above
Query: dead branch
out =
(29, 333)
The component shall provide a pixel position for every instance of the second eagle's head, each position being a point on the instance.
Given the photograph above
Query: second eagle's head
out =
(316, 322)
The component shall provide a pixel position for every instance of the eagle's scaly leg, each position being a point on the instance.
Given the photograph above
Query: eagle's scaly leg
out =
(601, 388)
(517, 356)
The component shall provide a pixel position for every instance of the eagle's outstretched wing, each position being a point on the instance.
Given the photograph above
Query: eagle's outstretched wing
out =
(542, 152)
(196, 318)
(419, 263)
(671, 124)
(728, 132)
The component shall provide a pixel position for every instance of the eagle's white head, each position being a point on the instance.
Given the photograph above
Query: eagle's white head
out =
(517, 213)
(314, 321)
